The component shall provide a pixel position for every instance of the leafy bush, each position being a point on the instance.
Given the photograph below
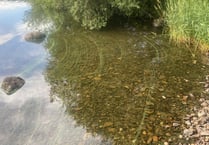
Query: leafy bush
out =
(94, 14)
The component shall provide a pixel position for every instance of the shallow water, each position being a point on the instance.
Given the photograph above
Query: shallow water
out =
(128, 88)
(28, 117)
(122, 85)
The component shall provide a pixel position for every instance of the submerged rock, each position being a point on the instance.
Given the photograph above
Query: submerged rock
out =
(11, 84)
(35, 36)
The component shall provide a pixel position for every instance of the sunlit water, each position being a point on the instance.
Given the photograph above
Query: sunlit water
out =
(123, 85)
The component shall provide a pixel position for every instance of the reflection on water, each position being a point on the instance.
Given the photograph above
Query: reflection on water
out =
(27, 117)
(119, 86)
(125, 84)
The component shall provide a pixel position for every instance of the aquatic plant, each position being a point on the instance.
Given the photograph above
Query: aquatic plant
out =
(188, 22)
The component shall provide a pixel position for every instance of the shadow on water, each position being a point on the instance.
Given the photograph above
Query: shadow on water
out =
(122, 86)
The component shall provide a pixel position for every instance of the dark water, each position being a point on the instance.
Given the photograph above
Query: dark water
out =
(123, 85)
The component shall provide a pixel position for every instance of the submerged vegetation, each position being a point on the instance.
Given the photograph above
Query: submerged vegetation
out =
(188, 22)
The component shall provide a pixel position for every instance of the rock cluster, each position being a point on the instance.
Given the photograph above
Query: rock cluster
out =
(197, 123)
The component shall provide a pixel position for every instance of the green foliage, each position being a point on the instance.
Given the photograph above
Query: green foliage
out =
(188, 21)
(94, 14)
(45, 13)
(141, 8)
(128, 7)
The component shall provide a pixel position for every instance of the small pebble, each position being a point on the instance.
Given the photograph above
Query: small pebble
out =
(163, 97)
(204, 133)
(204, 104)
(201, 113)
(207, 90)
(206, 139)
(188, 122)
(175, 124)
(191, 95)
(188, 132)
(206, 85)
(202, 100)
(155, 138)
(185, 98)
(168, 134)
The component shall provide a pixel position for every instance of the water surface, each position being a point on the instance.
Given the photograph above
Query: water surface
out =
(28, 117)
(130, 87)
(122, 85)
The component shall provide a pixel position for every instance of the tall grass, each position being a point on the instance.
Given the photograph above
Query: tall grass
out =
(188, 22)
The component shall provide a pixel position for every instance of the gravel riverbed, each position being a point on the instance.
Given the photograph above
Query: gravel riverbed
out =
(197, 123)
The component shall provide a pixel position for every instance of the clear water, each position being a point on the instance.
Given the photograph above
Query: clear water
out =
(28, 117)
(122, 85)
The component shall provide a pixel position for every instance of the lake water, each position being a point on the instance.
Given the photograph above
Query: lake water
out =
(123, 85)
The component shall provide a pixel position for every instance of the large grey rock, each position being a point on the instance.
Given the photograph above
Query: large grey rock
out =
(11, 84)
(35, 36)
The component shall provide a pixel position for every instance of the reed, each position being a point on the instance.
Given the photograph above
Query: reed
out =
(188, 22)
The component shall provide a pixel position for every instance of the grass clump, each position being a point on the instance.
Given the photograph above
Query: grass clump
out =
(188, 22)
